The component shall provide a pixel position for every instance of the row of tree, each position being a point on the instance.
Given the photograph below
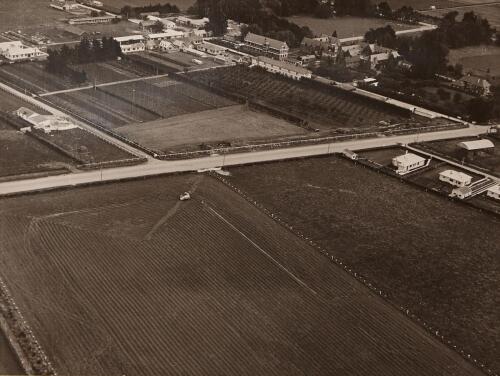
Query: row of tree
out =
(59, 61)
(251, 12)
(134, 12)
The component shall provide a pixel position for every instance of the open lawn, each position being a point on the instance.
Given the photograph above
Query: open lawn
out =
(149, 285)
(490, 12)
(478, 59)
(234, 125)
(346, 27)
(18, 14)
(437, 258)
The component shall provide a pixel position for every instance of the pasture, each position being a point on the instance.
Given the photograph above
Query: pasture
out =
(153, 286)
(418, 249)
(477, 59)
(324, 107)
(346, 27)
(234, 125)
(491, 12)
(423, 4)
(19, 14)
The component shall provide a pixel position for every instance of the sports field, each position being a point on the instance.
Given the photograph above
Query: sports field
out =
(438, 259)
(150, 285)
(234, 125)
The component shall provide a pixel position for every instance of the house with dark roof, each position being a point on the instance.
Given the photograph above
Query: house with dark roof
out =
(267, 46)
(474, 84)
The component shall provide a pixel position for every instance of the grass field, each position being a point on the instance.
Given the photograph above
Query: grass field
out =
(150, 285)
(345, 26)
(323, 107)
(414, 245)
(478, 59)
(235, 125)
(423, 4)
(19, 14)
(490, 12)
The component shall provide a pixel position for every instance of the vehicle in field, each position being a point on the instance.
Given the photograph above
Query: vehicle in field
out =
(185, 196)
(196, 61)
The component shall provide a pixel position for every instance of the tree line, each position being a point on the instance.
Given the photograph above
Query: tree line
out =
(134, 12)
(251, 12)
(87, 51)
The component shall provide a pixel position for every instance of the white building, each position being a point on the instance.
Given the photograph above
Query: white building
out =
(47, 123)
(408, 162)
(192, 22)
(494, 192)
(267, 46)
(91, 20)
(281, 67)
(167, 46)
(211, 49)
(17, 51)
(461, 192)
(153, 40)
(476, 145)
(455, 178)
(131, 43)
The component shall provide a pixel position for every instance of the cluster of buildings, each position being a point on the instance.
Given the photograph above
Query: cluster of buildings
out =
(16, 51)
(46, 123)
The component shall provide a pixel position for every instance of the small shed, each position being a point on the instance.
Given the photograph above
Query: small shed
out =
(462, 192)
(494, 192)
(475, 145)
(455, 178)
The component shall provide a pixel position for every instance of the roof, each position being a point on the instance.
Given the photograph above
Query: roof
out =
(129, 37)
(284, 65)
(476, 145)
(259, 39)
(409, 158)
(475, 81)
(495, 189)
(456, 175)
(166, 34)
(463, 190)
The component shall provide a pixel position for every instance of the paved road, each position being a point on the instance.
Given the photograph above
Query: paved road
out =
(154, 167)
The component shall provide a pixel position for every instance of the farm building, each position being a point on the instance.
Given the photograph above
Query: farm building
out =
(64, 5)
(132, 43)
(494, 192)
(476, 145)
(17, 51)
(153, 40)
(47, 123)
(166, 46)
(455, 178)
(192, 22)
(211, 49)
(267, 46)
(408, 162)
(474, 84)
(282, 67)
(91, 20)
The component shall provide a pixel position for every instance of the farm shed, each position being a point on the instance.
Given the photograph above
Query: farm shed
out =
(476, 145)
(494, 192)
(408, 162)
(456, 178)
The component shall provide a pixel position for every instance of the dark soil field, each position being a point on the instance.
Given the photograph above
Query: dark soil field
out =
(438, 259)
(488, 160)
(149, 285)
(23, 154)
(323, 107)
(8, 360)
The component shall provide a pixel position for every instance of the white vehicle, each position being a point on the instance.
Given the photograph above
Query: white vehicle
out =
(185, 196)
(196, 61)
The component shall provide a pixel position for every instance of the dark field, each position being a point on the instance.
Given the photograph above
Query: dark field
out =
(23, 154)
(8, 361)
(488, 160)
(423, 4)
(150, 285)
(323, 107)
(437, 258)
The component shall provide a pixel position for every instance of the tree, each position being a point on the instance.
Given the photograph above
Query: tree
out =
(384, 9)
(217, 17)
(480, 109)
(94, 13)
(428, 55)
(157, 27)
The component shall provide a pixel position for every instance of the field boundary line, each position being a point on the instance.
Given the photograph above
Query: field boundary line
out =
(88, 87)
(276, 262)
